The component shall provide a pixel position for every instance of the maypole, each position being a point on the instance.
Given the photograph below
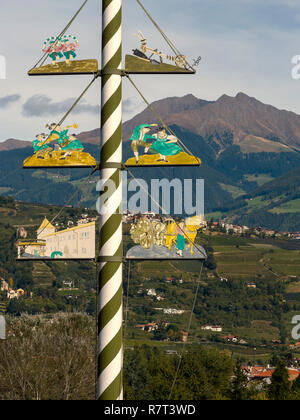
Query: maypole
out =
(68, 153)
(110, 349)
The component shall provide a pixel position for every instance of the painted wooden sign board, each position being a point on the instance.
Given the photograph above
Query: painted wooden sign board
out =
(75, 243)
(58, 149)
(153, 239)
(78, 67)
(62, 52)
(152, 145)
(138, 65)
(147, 60)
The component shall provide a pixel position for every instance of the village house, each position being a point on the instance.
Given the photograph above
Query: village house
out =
(295, 235)
(260, 373)
(237, 230)
(228, 227)
(15, 294)
(170, 311)
(295, 346)
(269, 232)
(149, 214)
(10, 293)
(214, 225)
(214, 328)
(4, 286)
(151, 326)
(68, 283)
(151, 292)
(184, 336)
(231, 338)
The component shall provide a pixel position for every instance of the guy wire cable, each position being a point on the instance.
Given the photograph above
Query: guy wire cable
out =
(126, 315)
(127, 300)
(188, 331)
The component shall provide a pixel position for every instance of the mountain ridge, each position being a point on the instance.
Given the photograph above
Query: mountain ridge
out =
(229, 120)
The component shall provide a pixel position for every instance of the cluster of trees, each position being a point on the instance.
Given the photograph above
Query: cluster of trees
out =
(50, 359)
(49, 301)
(171, 332)
(204, 374)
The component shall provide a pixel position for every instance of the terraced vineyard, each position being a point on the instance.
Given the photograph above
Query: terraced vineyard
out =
(3, 306)
(42, 274)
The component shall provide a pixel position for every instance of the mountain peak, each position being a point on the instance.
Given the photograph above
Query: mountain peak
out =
(242, 95)
(224, 97)
(239, 97)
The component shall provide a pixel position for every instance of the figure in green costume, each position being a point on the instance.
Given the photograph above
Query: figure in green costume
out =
(180, 242)
(41, 149)
(140, 137)
(55, 131)
(66, 143)
(69, 144)
(165, 145)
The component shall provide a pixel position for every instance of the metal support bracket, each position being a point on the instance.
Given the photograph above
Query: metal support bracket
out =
(108, 72)
(115, 259)
(109, 165)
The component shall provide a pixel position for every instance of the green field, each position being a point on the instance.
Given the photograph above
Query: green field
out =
(217, 215)
(260, 179)
(256, 203)
(4, 190)
(234, 191)
(292, 206)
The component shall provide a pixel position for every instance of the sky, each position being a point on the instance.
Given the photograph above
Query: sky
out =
(246, 46)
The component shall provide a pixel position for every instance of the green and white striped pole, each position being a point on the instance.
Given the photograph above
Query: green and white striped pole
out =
(110, 349)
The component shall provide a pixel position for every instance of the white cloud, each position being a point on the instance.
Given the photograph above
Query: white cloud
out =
(44, 106)
(6, 101)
